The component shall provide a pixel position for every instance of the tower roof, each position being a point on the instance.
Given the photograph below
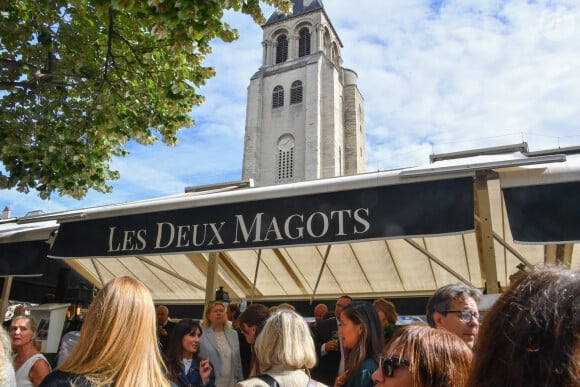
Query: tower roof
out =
(299, 7)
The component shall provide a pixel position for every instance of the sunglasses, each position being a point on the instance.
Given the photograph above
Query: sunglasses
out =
(464, 315)
(388, 365)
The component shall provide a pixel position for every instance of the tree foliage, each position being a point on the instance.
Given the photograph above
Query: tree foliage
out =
(80, 78)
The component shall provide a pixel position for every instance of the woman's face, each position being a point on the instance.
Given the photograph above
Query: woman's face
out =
(401, 376)
(249, 332)
(190, 341)
(217, 315)
(349, 332)
(21, 333)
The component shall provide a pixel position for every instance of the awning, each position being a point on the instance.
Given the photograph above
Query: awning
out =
(24, 247)
(543, 203)
(393, 233)
(426, 208)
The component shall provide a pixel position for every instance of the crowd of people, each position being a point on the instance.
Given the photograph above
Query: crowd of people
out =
(530, 337)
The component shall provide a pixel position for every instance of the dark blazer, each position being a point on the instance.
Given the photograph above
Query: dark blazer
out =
(164, 340)
(326, 369)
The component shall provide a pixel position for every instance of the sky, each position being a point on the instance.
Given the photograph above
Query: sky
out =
(436, 77)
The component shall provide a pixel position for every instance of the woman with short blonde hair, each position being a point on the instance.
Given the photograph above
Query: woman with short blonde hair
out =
(30, 365)
(284, 351)
(118, 341)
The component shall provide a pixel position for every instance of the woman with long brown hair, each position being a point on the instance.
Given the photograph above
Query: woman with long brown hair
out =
(361, 333)
(185, 367)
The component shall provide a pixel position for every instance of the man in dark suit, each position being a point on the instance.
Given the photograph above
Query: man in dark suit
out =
(164, 327)
(329, 351)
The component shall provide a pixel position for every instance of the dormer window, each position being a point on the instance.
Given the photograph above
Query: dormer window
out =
(304, 42)
(281, 49)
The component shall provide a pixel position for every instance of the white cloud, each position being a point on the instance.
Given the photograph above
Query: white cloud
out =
(457, 76)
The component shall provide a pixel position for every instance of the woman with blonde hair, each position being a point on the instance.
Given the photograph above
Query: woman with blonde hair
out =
(118, 341)
(284, 352)
(7, 376)
(221, 344)
(421, 356)
(29, 364)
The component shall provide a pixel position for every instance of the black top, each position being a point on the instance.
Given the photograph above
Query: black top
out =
(58, 378)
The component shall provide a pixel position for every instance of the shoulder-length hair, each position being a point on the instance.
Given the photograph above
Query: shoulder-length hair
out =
(531, 334)
(175, 347)
(285, 343)
(437, 358)
(388, 309)
(206, 323)
(255, 315)
(118, 341)
(370, 342)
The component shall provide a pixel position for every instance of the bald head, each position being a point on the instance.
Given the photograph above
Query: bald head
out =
(319, 311)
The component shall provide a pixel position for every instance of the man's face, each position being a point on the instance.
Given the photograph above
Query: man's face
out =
(453, 323)
(162, 315)
(340, 304)
(319, 312)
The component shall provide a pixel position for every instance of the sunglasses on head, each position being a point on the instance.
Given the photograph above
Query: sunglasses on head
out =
(388, 365)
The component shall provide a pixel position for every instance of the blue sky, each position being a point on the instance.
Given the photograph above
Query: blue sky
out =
(436, 76)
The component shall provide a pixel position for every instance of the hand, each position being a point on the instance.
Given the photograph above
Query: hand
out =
(162, 332)
(205, 370)
(340, 380)
(331, 345)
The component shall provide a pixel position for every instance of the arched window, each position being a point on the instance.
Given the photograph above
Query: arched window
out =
(285, 162)
(278, 97)
(281, 49)
(304, 42)
(296, 92)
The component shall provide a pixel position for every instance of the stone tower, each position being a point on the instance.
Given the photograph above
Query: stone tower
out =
(305, 114)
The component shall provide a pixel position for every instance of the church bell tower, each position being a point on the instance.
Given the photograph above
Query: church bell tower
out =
(305, 114)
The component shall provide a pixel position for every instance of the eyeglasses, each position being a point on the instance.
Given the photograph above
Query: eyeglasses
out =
(464, 315)
(388, 365)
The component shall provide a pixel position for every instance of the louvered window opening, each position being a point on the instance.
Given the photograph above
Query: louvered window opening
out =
(278, 97)
(281, 49)
(304, 42)
(285, 164)
(296, 92)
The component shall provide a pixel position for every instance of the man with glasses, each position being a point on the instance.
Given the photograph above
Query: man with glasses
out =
(329, 350)
(454, 308)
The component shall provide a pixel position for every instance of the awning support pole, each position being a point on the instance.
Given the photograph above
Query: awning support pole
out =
(502, 242)
(320, 273)
(437, 261)
(484, 234)
(98, 271)
(255, 276)
(212, 266)
(5, 296)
